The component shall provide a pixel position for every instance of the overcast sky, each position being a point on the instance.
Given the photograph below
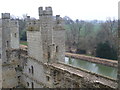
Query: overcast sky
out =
(75, 9)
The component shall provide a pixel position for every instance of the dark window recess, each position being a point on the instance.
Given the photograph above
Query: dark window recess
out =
(48, 55)
(7, 44)
(58, 22)
(32, 85)
(0, 56)
(29, 70)
(32, 69)
(15, 22)
(18, 77)
(27, 83)
(56, 48)
(15, 34)
(48, 78)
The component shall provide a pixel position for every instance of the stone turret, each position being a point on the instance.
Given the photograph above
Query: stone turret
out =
(9, 35)
(14, 34)
(34, 39)
(5, 15)
(10, 30)
(5, 35)
(59, 39)
(46, 24)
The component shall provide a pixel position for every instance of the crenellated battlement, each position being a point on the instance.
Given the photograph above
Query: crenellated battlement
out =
(46, 12)
(5, 15)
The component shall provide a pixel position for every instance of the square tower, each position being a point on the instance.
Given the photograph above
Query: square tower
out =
(46, 24)
(5, 35)
(59, 39)
(14, 34)
(34, 39)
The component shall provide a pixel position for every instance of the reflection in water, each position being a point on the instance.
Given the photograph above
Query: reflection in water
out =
(93, 67)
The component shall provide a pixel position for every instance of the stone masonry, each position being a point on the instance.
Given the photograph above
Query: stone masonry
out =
(42, 64)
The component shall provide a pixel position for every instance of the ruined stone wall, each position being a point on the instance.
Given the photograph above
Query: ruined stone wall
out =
(60, 75)
(66, 76)
(9, 77)
(10, 70)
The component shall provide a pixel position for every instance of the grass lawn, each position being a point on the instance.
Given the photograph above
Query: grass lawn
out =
(23, 42)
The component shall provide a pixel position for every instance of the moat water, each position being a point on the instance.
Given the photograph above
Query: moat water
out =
(93, 67)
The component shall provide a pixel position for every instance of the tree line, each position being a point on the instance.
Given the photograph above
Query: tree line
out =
(95, 38)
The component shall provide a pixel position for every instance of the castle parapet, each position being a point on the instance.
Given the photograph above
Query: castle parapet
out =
(5, 15)
(46, 12)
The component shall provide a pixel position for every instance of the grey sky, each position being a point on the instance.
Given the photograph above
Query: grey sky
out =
(81, 9)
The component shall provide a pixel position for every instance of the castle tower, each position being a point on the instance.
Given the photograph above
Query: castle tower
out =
(34, 39)
(14, 34)
(45, 39)
(5, 35)
(46, 24)
(59, 39)
(34, 67)
(7, 43)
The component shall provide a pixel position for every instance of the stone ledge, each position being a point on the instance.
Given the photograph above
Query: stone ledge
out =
(107, 62)
(89, 76)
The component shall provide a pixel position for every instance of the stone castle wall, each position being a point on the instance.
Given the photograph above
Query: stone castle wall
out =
(41, 65)
(60, 75)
